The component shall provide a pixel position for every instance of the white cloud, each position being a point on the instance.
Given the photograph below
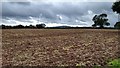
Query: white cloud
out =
(59, 24)
(58, 0)
(56, 13)
(34, 21)
(59, 17)
(12, 21)
(90, 12)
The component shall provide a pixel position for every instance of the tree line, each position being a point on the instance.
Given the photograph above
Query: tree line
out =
(21, 26)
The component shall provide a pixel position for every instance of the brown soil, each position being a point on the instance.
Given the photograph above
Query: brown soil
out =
(58, 47)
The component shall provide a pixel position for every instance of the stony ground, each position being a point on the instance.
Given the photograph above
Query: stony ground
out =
(58, 47)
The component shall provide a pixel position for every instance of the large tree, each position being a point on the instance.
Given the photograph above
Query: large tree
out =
(40, 25)
(100, 20)
(116, 8)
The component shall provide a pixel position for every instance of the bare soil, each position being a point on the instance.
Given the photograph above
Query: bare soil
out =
(59, 47)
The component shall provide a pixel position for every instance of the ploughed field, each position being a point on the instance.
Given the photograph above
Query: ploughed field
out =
(59, 47)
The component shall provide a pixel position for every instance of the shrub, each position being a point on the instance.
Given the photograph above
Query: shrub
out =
(117, 25)
(114, 63)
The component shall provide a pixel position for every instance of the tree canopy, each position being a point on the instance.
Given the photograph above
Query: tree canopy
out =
(116, 7)
(117, 25)
(40, 25)
(100, 20)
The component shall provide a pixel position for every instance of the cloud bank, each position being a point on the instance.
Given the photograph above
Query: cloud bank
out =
(55, 13)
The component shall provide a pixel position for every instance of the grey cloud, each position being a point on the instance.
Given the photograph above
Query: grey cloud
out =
(14, 10)
(7, 21)
(21, 3)
(69, 11)
(50, 10)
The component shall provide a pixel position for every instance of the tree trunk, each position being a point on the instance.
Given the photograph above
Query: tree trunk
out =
(101, 26)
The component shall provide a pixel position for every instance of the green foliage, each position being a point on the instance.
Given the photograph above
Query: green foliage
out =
(116, 7)
(40, 25)
(114, 63)
(111, 64)
(100, 20)
(117, 25)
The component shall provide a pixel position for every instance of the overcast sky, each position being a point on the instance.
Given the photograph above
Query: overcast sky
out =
(55, 12)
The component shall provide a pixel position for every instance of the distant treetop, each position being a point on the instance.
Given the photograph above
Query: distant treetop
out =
(116, 7)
